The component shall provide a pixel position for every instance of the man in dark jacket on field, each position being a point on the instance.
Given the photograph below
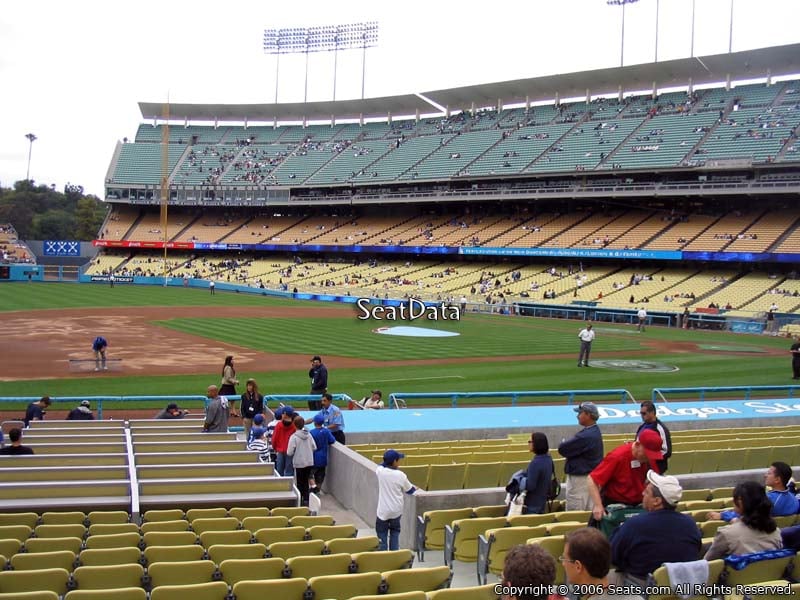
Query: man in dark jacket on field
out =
(318, 373)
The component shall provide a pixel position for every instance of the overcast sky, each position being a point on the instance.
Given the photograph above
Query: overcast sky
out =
(73, 72)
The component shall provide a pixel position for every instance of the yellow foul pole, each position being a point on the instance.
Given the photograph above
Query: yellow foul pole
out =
(165, 180)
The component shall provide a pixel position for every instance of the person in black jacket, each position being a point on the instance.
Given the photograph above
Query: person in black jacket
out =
(82, 412)
(650, 421)
(318, 373)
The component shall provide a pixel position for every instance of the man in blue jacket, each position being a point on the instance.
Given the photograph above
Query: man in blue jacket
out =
(323, 438)
(583, 452)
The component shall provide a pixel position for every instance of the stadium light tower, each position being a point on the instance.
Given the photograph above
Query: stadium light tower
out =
(326, 38)
(622, 36)
(31, 138)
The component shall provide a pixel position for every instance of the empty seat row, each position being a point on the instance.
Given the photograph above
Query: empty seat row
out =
(331, 586)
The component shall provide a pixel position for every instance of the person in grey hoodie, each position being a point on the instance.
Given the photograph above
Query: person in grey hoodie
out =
(301, 449)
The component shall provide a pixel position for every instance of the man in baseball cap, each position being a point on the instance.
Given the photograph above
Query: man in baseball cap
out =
(659, 535)
(392, 484)
(82, 412)
(583, 452)
(621, 476)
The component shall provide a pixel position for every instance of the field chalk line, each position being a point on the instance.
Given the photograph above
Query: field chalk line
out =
(408, 379)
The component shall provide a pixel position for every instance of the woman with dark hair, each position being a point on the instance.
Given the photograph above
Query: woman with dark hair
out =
(252, 405)
(227, 387)
(540, 472)
(753, 531)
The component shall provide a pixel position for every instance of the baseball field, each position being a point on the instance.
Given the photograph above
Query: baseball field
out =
(174, 340)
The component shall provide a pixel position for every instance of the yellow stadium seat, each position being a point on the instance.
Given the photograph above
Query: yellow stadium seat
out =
(213, 590)
(108, 577)
(285, 589)
(235, 570)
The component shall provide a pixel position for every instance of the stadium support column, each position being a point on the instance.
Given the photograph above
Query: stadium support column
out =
(655, 89)
(588, 97)
(165, 181)
(619, 94)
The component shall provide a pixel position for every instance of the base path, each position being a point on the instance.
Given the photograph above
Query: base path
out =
(39, 344)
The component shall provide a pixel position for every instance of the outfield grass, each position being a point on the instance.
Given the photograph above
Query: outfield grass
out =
(481, 336)
(36, 296)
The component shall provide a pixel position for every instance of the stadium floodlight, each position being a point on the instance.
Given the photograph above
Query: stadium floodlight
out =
(322, 38)
(622, 36)
(31, 138)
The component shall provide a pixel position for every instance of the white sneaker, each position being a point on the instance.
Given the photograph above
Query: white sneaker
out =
(97, 368)
(105, 368)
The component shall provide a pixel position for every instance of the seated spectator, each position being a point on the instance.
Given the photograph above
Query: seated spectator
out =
(16, 448)
(753, 531)
(528, 573)
(587, 561)
(83, 412)
(658, 535)
(171, 412)
(784, 502)
(374, 401)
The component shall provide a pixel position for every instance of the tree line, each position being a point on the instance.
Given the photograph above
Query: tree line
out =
(39, 212)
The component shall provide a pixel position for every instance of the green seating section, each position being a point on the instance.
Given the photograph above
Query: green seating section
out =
(141, 163)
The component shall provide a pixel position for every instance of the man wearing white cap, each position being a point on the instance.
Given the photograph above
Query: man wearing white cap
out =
(83, 412)
(659, 535)
(392, 484)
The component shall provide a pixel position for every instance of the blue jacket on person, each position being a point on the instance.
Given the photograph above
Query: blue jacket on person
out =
(540, 472)
(583, 451)
(783, 503)
(322, 438)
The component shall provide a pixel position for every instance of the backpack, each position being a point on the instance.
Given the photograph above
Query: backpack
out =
(554, 491)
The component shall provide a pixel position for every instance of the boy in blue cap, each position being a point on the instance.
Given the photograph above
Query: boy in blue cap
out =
(392, 484)
(323, 438)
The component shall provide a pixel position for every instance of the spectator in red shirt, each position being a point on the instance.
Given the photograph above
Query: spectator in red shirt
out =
(622, 475)
(280, 440)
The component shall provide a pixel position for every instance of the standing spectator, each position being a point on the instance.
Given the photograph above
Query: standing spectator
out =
(586, 336)
(650, 420)
(318, 373)
(280, 441)
(658, 535)
(795, 350)
(539, 474)
(755, 530)
(528, 574)
(252, 405)
(322, 438)
(83, 412)
(771, 329)
(583, 452)
(99, 346)
(217, 411)
(333, 418)
(111, 280)
(587, 561)
(392, 484)
(301, 450)
(171, 412)
(258, 441)
(622, 475)
(641, 315)
(211, 287)
(16, 447)
(36, 410)
(229, 382)
(685, 318)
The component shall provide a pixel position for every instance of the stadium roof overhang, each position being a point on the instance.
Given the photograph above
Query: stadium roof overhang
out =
(699, 70)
